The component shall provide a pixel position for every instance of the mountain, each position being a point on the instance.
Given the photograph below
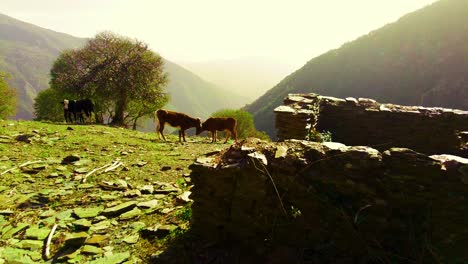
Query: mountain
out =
(421, 59)
(27, 52)
(249, 76)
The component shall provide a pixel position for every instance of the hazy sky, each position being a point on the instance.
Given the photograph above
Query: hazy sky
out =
(289, 31)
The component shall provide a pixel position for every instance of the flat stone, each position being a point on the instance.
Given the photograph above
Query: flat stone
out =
(101, 226)
(147, 189)
(82, 170)
(92, 250)
(90, 212)
(132, 193)
(260, 157)
(97, 240)
(65, 215)
(75, 239)
(30, 244)
(119, 209)
(71, 158)
(149, 204)
(15, 255)
(130, 214)
(137, 226)
(166, 190)
(14, 230)
(184, 197)
(132, 239)
(281, 152)
(112, 259)
(37, 233)
(82, 224)
(159, 231)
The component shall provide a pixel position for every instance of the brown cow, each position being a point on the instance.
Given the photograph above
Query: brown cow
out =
(214, 124)
(178, 120)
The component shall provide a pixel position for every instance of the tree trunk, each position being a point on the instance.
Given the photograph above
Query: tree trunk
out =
(120, 108)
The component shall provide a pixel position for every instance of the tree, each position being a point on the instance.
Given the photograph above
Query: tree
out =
(47, 105)
(245, 124)
(112, 69)
(7, 97)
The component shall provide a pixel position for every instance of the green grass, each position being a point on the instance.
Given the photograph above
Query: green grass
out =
(29, 194)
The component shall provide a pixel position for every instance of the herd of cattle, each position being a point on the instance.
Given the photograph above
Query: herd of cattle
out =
(76, 109)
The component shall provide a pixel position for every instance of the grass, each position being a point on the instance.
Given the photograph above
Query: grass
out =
(30, 192)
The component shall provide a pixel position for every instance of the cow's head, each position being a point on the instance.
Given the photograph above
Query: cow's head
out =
(65, 104)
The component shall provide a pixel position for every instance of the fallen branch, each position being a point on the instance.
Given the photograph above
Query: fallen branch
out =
(49, 239)
(93, 171)
(114, 166)
(29, 163)
(7, 170)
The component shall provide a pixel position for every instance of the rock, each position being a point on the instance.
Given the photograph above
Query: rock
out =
(82, 224)
(137, 226)
(82, 170)
(15, 255)
(112, 259)
(53, 175)
(14, 230)
(165, 168)
(281, 152)
(132, 239)
(37, 233)
(92, 250)
(82, 162)
(166, 210)
(69, 128)
(61, 168)
(24, 138)
(159, 231)
(119, 209)
(90, 212)
(141, 163)
(100, 227)
(149, 204)
(97, 240)
(112, 186)
(65, 215)
(147, 189)
(166, 190)
(130, 214)
(75, 239)
(203, 160)
(30, 244)
(184, 197)
(71, 158)
(260, 157)
(131, 193)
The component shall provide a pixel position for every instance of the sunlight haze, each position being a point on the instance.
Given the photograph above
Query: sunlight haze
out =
(290, 32)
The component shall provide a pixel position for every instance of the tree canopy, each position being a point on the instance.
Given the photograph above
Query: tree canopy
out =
(7, 97)
(119, 74)
(245, 123)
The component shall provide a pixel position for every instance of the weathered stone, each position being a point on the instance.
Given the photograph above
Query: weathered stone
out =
(166, 191)
(134, 213)
(119, 209)
(82, 170)
(15, 255)
(281, 152)
(131, 193)
(82, 162)
(97, 240)
(75, 239)
(259, 156)
(89, 212)
(71, 158)
(148, 204)
(159, 231)
(184, 197)
(147, 189)
(112, 259)
(92, 250)
(35, 232)
(82, 224)
(101, 226)
(65, 215)
(14, 230)
(167, 210)
(132, 239)
(30, 244)
(137, 226)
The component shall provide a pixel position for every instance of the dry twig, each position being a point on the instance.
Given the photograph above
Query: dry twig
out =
(49, 239)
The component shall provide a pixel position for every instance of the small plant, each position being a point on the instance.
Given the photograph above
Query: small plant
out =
(316, 136)
(184, 214)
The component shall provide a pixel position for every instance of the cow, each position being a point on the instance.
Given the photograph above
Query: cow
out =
(214, 124)
(178, 120)
(72, 108)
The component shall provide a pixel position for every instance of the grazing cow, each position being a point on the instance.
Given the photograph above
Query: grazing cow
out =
(214, 124)
(178, 120)
(72, 107)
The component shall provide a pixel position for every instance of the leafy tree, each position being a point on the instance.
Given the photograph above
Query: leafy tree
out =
(7, 97)
(115, 71)
(47, 105)
(245, 124)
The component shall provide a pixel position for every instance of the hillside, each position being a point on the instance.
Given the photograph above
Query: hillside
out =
(27, 53)
(122, 191)
(422, 59)
(249, 76)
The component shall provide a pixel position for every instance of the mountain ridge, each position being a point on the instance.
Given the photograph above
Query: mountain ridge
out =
(420, 59)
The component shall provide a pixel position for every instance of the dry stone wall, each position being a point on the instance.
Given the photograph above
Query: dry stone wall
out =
(331, 203)
(366, 122)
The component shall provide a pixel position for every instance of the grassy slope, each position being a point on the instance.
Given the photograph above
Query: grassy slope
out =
(29, 195)
(419, 60)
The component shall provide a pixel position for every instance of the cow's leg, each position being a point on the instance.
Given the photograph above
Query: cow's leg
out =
(183, 134)
(160, 130)
(180, 135)
(234, 132)
(213, 135)
(227, 136)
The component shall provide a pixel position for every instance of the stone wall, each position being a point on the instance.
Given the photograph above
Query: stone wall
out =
(330, 203)
(366, 122)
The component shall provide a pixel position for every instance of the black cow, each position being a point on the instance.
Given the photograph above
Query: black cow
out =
(77, 108)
